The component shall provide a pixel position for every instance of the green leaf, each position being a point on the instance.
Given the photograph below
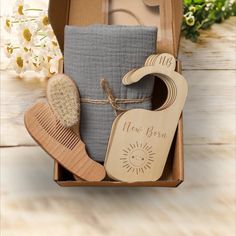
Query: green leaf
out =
(205, 13)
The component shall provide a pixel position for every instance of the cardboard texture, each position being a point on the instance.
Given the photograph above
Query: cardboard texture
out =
(164, 14)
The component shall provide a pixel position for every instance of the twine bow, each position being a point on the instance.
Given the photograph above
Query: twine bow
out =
(112, 100)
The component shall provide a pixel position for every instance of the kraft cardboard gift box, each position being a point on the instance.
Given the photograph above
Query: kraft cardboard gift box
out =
(166, 15)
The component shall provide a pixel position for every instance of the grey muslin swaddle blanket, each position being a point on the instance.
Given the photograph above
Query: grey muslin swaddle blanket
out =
(106, 52)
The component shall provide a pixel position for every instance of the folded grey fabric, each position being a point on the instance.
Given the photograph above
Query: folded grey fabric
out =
(106, 52)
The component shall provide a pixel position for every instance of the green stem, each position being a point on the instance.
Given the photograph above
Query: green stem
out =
(33, 9)
(41, 33)
(43, 37)
(24, 20)
(202, 23)
(18, 47)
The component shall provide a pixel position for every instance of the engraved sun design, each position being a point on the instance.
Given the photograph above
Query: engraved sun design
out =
(137, 158)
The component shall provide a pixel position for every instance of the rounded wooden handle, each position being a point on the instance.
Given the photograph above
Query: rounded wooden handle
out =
(162, 66)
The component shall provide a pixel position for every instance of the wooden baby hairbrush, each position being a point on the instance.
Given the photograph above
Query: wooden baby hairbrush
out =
(61, 143)
(64, 99)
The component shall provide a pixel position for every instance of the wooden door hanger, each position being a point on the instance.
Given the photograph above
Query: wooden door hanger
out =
(140, 139)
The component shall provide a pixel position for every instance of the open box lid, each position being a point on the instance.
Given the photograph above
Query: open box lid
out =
(166, 15)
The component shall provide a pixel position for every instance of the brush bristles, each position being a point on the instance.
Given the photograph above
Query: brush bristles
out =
(63, 98)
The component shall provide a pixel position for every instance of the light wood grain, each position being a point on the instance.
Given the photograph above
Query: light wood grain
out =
(215, 50)
(98, 12)
(210, 110)
(203, 205)
(209, 114)
(207, 89)
(16, 96)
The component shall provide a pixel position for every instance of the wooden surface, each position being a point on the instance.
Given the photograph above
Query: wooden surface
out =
(32, 204)
(204, 205)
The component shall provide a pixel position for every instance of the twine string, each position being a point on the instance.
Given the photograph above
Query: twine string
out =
(112, 100)
(108, 91)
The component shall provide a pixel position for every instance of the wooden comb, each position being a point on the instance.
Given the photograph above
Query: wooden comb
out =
(61, 143)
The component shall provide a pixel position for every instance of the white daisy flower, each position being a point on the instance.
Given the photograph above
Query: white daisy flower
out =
(27, 52)
(8, 24)
(19, 9)
(43, 21)
(19, 63)
(50, 47)
(8, 49)
(37, 62)
(53, 48)
(190, 20)
(26, 33)
(46, 66)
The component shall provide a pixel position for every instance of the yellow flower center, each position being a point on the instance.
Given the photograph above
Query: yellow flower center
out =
(9, 49)
(54, 43)
(36, 65)
(27, 35)
(19, 62)
(8, 23)
(190, 21)
(20, 10)
(45, 20)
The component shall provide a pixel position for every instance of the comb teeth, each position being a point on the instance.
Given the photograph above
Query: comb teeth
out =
(61, 143)
(47, 121)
